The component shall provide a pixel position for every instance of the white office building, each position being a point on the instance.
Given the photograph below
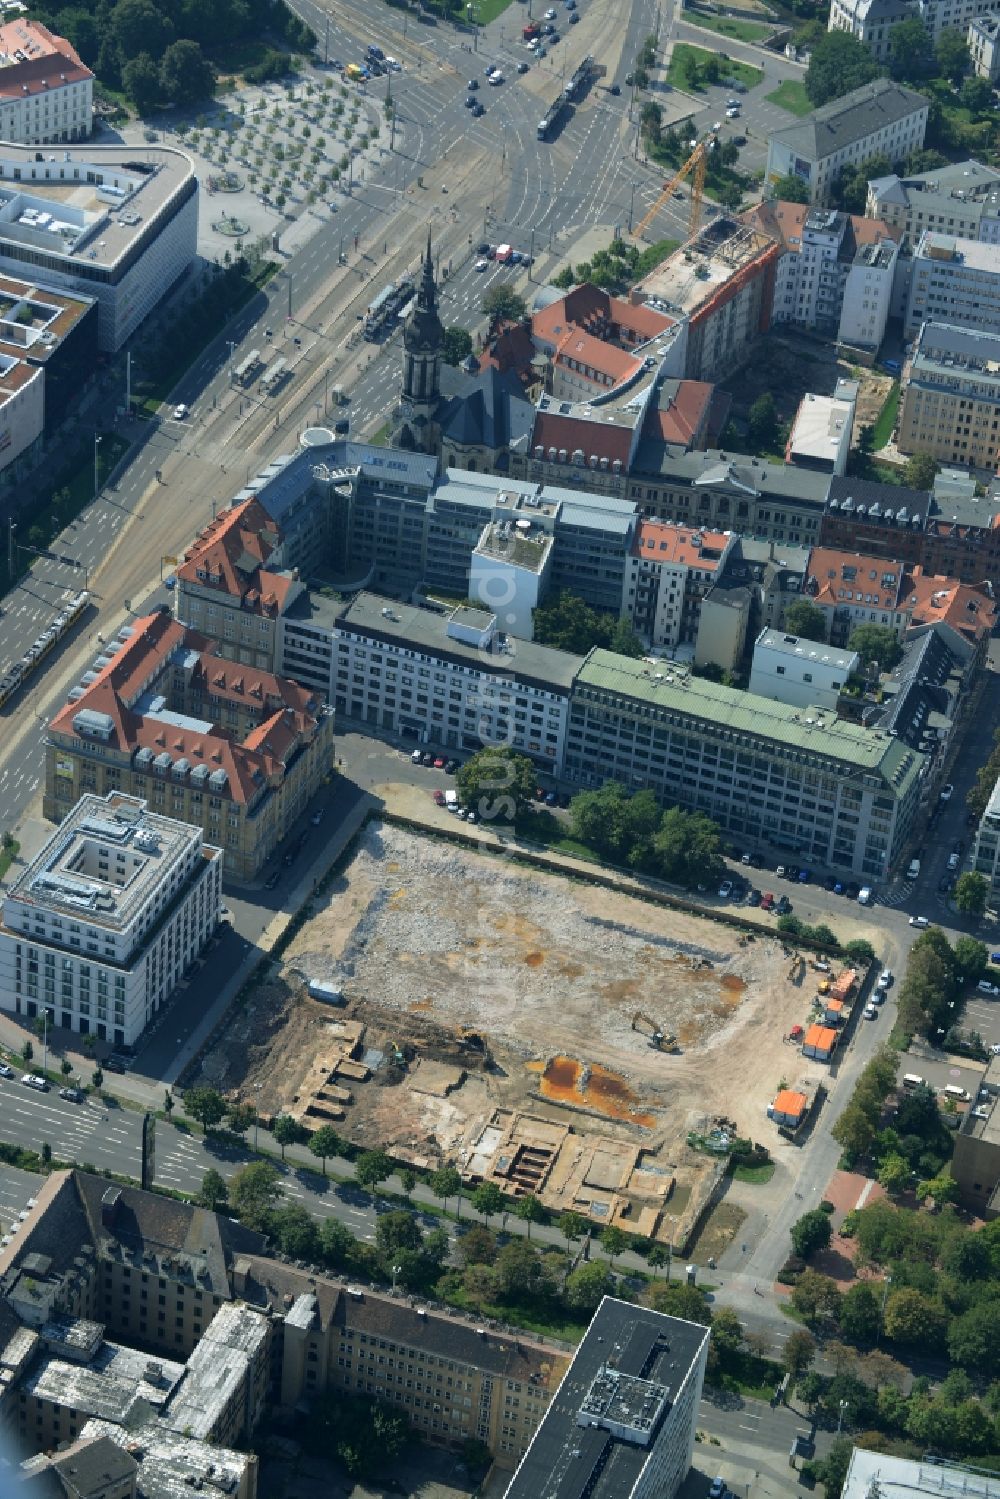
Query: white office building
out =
(954, 281)
(877, 1475)
(450, 680)
(881, 118)
(509, 572)
(115, 224)
(805, 673)
(870, 21)
(100, 926)
(820, 437)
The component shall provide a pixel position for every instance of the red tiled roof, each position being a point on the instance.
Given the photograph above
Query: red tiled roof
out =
(233, 552)
(511, 351)
(603, 439)
(932, 600)
(598, 356)
(685, 416)
(660, 543)
(838, 573)
(589, 308)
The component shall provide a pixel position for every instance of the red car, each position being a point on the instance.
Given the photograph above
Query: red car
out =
(768, 901)
(439, 798)
(439, 762)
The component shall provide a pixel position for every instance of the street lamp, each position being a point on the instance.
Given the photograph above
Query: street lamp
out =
(396, 1270)
(97, 443)
(840, 1418)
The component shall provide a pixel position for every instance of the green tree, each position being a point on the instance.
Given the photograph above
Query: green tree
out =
(570, 624)
(613, 1241)
(974, 1339)
(894, 1174)
(240, 1117)
(624, 641)
(444, 1183)
(913, 1319)
(911, 50)
(798, 1352)
(876, 643)
(137, 26)
(762, 429)
(831, 1470)
(971, 892)
(395, 1232)
(336, 1242)
(521, 1273)
(205, 1105)
(618, 825)
(860, 1313)
(586, 1286)
(457, 345)
(816, 1297)
(976, 95)
(497, 782)
(213, 1193)
(728, 1334)
(953, 61)
(920, 471)
(27, 1051)
(790, 189)
(288, 1131)
(838, 64)
(859, 950)
(502, 304)
(186, 75)
(488, 1200)
(678, 1299)
(141, 81)
(572, 1225)
(854, 1131)
(688, 847)
(65, 1066)
(96, 1077)
(530, 1210)
(805, 619)
(477, 1246)
(371, 1168)
(810, 1233)
(324, 1143)
(972, 959)
(253, 1192)
(296, 1233)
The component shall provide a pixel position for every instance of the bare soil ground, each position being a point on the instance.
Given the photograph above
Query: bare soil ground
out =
(795, 364)
(430, 941)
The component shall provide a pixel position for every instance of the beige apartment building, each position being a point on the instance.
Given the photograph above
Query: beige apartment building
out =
(950, 401)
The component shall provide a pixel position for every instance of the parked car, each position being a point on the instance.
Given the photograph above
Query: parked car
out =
(450, 767)
(753, 896)
(317, 817)
(417, 757)
(994, 958)
(803, 876)
(871, 1012)
(470, 101)
(725, 889)
(946, 793)
(563, 798)
(115, 1063)
(717, 1489)
(439, 762)
(6, 1071)
(427, 759)
(614, 90)
(920, 921)
(32, 1080)
(438, 798)
(838, 888)
(885, 978)
(780, 871)
(180, 412)
(71, 1095)
(551, 799)
(768, 900)
(985, 987)
(783, 906)
(471, 815)
(481, 265)
(473, 85)
(522, 67)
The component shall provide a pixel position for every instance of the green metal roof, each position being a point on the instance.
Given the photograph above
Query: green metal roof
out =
(869, 750)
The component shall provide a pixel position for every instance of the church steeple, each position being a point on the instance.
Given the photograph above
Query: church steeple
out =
(423, 346)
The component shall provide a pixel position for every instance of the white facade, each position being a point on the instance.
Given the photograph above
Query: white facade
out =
(804, 673)
(871, 21)
(986, 852)
(22, 407)
(667, 574)
(46, 92)
(508, 573)
(945, 15)
(868, 296)
(954, 281)
(100, 927)
(454, 682)
(880, 119)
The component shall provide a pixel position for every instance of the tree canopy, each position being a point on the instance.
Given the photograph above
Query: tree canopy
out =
(570, 624)
(790, 189)
(911, 51)
(876, 643)
(457, 344)
(503, 304)
(838, 64)
(805, 619)
(497, 782)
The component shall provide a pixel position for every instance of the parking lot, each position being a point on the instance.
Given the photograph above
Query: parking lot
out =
(983, 1015)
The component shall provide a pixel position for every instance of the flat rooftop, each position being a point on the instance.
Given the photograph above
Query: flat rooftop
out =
(87, 203)
(947, 249)
(515, 543)
(142, 849)
(902, 1478)
(109, 1386)
(806, 650)
(170, 1464)
(423, 629)
(597, 1434)
(820, 425)
(671, 689)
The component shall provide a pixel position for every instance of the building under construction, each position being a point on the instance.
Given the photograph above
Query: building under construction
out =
(721, 283)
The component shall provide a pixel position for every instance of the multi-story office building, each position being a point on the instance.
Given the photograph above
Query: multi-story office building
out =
(622, 1424)
(670, 570)
(955, 536)
(100, 926)
(93, 220)
(950, 400)
(805, 673)
(881, 118)
(960, 198)
(842, 796)
(450, 679)
(46, 91)
(231, 748)
(954, 281)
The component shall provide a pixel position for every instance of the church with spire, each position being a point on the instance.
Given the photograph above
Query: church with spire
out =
(466, 417)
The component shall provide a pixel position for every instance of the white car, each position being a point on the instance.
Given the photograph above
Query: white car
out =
(495, 79)
(482, 265)
(180, 412)
(550, 14)
(885, 979)
(733, 113)
(995, 1051)
(871, 1013)
(32, 1080)
(985, 987)
(416, 757)
(946, 793)
(920, 921)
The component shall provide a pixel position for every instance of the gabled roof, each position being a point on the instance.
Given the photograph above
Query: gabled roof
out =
(834, 577)
(682, 411)
(491, 414)
(598, 355)
(608, 440)
(933, 600)
(232, 553)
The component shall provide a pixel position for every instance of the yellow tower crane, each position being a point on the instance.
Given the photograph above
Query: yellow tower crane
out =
(696, 163)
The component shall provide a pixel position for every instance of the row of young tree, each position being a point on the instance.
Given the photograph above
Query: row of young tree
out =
(938, 976)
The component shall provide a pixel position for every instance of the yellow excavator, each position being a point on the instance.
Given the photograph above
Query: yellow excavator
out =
(660, 1040)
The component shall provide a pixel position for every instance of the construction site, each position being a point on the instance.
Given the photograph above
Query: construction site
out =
(564, 1039)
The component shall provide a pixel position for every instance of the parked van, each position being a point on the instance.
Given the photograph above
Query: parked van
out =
(958, 1094)
(451, 800)
(913, 872)
(912, 1080)
(865, 895)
